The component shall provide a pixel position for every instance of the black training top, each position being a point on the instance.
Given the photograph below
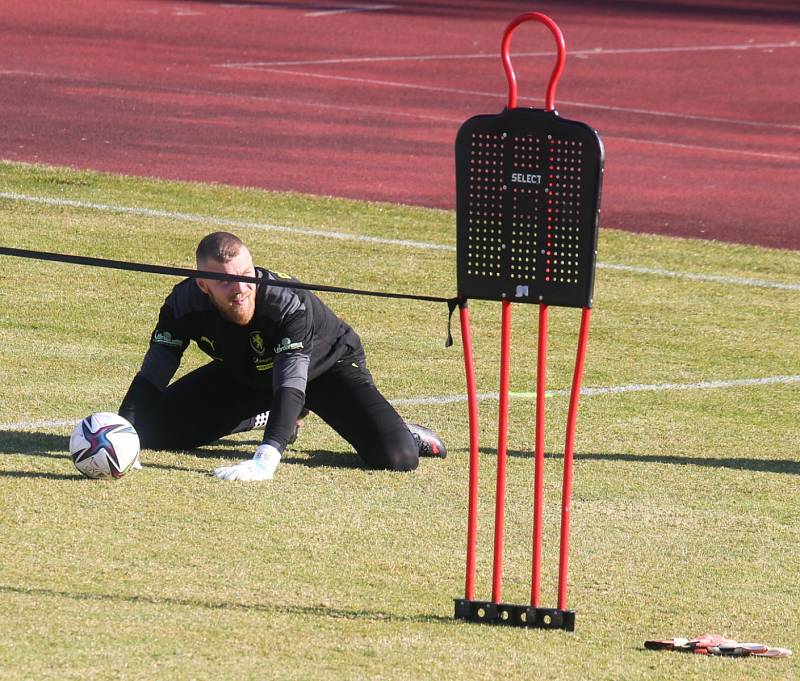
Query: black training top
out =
(292, 339)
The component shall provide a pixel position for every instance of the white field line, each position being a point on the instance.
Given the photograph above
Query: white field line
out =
(453, 399)
(343, 236)
(609, 390)
(349, 10)
(31, 425)
(501, 97)
(593, 52)
(221, 222)
(696, 276)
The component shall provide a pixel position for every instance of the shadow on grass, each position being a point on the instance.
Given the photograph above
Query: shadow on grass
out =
(48, 445)
(788, 466)
(45, 445)
(56, 447)
(41, 444)
(315, 458)
(270, 608)
(311, 458)
(40, 475)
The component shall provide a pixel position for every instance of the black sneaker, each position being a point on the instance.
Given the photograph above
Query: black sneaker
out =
(429, 443)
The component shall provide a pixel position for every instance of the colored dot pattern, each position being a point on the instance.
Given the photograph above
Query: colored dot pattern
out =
(525, 209)
(485, 242)
(562, 236)
(542, 208)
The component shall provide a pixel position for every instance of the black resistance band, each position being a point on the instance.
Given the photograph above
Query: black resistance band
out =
(452, 303)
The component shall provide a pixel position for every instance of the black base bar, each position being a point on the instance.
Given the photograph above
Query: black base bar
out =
(487, 612)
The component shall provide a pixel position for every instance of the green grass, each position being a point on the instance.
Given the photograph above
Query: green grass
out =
(685, 502)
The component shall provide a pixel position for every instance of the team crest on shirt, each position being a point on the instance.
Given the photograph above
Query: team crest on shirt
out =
(257, 342)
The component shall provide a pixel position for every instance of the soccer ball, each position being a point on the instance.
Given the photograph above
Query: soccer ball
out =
(104, 445)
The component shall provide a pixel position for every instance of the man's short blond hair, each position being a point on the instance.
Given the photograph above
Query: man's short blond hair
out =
(219, 246)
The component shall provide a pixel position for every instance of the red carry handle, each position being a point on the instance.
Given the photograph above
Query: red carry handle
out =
(550, 96)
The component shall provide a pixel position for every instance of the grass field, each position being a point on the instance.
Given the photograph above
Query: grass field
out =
(687, 475)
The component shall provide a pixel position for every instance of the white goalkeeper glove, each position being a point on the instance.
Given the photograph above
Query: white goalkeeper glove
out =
(261, 467)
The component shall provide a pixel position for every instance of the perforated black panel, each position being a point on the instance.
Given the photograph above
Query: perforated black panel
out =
(528, 199)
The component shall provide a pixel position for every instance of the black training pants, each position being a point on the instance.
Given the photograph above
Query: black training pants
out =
(209, 403)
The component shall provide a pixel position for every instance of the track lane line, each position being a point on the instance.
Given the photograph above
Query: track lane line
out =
(590, 52)
(352, 9)
(700, 147)
(502, 96)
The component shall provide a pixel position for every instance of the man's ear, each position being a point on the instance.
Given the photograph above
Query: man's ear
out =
(201, 283)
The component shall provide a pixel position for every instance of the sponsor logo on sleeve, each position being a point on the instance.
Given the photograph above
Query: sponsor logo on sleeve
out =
(286, 344)
(166, 338)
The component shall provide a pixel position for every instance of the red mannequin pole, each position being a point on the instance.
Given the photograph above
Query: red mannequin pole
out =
(538, 474)
(472, 408)
(502, 449)
(569, 449)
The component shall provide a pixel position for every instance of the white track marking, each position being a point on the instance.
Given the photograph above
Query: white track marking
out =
(183, 12)
(454, 399)
(344, 236)
(683, 116)
(453, 119)
(194, 92)
(349, 10)
(699, 147)
(502, 97)
(594, 52)
(394, 112)
(38, 74)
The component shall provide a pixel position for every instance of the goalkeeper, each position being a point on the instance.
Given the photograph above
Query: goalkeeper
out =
(273, 349)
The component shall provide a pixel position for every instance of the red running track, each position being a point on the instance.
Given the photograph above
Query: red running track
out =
(697, 102)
